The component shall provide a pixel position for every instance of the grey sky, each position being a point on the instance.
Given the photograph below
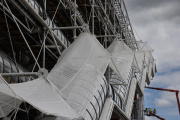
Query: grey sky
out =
(158, 22)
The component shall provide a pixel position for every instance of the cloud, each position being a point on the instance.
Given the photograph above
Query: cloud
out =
(157, 21)
(162, 103)
(168, 79)
(150, 118)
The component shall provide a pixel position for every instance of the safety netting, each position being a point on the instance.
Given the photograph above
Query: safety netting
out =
(41, 94)
(8, 104)
(139, 56)
(8, 101)
(149, 61)
(122, 59)
(79, 72)
(73, 86)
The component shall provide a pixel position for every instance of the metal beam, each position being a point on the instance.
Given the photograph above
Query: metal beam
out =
(21, 74)
(66, 28)
(39, 18)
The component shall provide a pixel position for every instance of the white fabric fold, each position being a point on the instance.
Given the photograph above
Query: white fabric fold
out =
(40, 94)
(8, 104)
(80, 70)
(72, 83)
(122, 59)
(139, 56)
(8, 101)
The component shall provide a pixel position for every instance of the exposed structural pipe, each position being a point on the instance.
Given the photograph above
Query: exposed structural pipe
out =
(106, 36)
(21, 74)
(22, 35)
(32, 11)
(151, 114)
(15, 18)
(14, 2)
(129, 22)
(93, 17)
(169, 90)
(75, 14)
(65, 28)
(159, 117)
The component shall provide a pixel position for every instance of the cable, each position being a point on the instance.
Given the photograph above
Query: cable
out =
(10, 40)
(136, 32)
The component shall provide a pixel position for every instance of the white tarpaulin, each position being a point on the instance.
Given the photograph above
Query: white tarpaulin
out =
(154, 67)
(122, 59)
(72, 83)
(8, 104)
(79, 71)
(144, 46)
(149, 60)
(143, 80)
(139, 56)
(40, 94)
(8, 101)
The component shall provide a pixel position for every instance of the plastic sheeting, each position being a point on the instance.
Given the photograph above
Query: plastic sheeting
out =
(144, 46)
(130, 100)
(40, 94)
(154, 67)
(140, 56)
(149, 60)
(71, 85)
(7, 104)
(122, 59)
(79, 72)
(143, 80)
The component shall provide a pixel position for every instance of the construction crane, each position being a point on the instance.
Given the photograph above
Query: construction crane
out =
(169, 90)
(148, 112)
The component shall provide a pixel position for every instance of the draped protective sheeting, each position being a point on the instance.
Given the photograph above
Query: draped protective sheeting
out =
(122, 59)
(149, 60)
(139, 56)
(154, 67)
(79, 72)
(40, 94)
(72, 83)
(8, 104)
(8, 101)
(76, 85)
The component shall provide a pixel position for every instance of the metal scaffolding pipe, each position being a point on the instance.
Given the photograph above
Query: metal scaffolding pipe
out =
(106, 36)
(21, 74)
(65, 28)
(32, 11)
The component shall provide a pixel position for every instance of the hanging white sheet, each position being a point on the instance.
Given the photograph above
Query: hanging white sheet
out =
(40, 94)
(8, 104)
(122, 59)
(80, 70)
(139, 57)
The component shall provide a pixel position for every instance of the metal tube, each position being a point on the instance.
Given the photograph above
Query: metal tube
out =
(105, 39)
(32, 11)
(106, 36)
(21, 74)
(75, 20)
(44, 49)
(15, 18)
(178, 101)
(65, 28)
(93, 17)
(169, 90)
(22, 34)
(55, 42)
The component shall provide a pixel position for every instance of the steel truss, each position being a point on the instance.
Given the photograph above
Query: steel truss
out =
(40, 30)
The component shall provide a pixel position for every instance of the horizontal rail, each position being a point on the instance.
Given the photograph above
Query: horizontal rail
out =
(21, 74)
